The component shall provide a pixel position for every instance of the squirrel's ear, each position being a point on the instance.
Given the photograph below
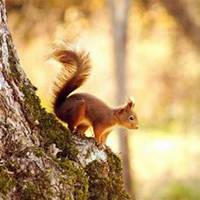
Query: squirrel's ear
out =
(130, 104)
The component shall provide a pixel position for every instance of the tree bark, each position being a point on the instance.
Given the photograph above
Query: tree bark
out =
(39, 158)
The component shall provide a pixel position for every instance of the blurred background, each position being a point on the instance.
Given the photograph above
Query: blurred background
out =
(148, 50)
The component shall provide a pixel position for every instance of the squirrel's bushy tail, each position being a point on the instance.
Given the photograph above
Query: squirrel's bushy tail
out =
(76, 69)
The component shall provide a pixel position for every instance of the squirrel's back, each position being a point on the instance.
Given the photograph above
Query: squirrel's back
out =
(76, 69)
(93, 110)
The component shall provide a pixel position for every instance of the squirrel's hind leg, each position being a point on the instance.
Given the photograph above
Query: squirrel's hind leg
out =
(77, 114)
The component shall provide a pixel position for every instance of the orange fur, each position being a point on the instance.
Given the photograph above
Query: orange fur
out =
(82, 110)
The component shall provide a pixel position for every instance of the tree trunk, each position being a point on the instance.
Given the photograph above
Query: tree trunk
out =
(39, 158)
(119, 17)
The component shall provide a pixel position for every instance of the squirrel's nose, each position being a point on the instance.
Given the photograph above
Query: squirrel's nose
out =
(137, 126)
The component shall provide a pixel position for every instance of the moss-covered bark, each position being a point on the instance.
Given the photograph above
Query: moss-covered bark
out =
(39, 157)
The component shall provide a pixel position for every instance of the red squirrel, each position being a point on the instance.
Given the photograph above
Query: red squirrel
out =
(82, 110)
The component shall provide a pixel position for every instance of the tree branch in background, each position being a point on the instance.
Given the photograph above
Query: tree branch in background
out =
(180, 12)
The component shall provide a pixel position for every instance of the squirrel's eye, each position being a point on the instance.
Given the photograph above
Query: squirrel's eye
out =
(131, 117)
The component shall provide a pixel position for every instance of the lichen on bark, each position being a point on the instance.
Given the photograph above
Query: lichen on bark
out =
(75, 168)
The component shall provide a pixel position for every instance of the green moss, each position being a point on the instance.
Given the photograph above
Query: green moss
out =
(51, 131)
(39, 152)
(106, 180)
(38, 187)
(77, 179)
(31, 191)
(98, 181)
(116, 185)
(6, 181)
